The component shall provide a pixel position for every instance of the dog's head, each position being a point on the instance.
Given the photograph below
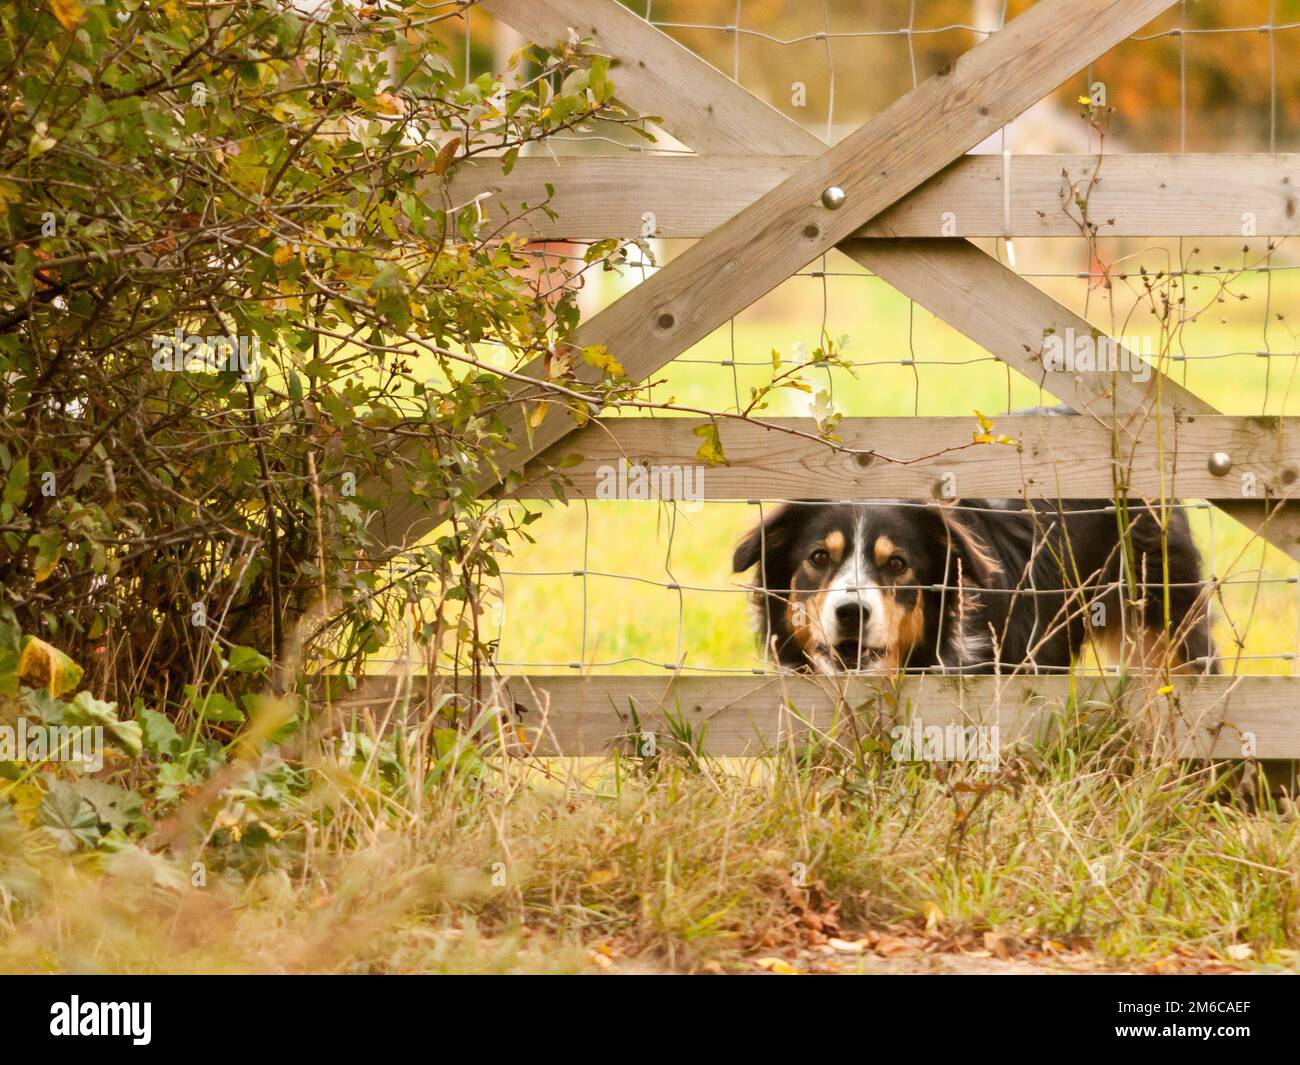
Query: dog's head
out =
(872, 586)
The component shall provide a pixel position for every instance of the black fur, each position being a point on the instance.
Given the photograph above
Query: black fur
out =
(1028, 577)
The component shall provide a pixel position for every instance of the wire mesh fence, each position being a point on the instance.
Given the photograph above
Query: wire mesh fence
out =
(628, 586)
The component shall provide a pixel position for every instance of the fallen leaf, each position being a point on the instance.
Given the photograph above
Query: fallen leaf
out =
(896, 947)
(1002, 945)
(777, 965)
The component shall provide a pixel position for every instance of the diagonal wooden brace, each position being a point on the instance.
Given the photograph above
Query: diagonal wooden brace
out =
(952, 279)
(789, 226)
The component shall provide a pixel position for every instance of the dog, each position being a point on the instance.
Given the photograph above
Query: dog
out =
(974, 586)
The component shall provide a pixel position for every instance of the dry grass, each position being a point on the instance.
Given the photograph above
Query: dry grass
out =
(682, 864)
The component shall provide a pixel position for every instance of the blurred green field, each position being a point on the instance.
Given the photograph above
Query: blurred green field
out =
(629, 618)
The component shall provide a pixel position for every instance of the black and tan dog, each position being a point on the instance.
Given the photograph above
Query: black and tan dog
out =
(974, 586)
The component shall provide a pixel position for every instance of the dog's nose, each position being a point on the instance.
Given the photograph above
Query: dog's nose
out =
(852, 616)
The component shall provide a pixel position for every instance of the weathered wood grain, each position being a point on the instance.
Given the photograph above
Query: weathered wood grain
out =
(1053, 458)
(685, 196)
(1203, 717)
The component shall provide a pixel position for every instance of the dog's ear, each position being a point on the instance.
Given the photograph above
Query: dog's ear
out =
(978, 565)
(774, 531)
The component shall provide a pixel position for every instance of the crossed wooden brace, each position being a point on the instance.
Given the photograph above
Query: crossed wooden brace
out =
(787, 227)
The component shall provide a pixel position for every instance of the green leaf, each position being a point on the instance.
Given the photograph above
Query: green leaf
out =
(247, 660)
(85, 709)
(24, 273)
(16, 483)
(214, 706)
(114, 806)
(159, 735)
(93, 112)
(69, 818)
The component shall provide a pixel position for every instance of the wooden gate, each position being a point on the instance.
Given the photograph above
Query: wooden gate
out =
(756, 195)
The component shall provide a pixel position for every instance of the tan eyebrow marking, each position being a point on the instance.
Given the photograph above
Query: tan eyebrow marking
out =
(835, 545)
(884, 549)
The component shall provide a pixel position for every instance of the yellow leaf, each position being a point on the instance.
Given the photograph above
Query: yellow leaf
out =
(41, 665)
(388, 103)
(282, 254)
(603, 360)
(44, 569)
(538, 415)
(776, 965)
(68, 12)
(445, 155)
(26, 802)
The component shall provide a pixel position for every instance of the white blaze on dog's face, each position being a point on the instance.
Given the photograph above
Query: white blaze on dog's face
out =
(853, 612)
(854, 603)
(863, 586)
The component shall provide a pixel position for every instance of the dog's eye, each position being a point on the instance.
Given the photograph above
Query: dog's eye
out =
(896, 564)
(821, 557)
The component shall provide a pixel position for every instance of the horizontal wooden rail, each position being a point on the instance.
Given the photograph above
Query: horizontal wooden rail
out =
(1206, 717)
(1052, 457)
(595, 197)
